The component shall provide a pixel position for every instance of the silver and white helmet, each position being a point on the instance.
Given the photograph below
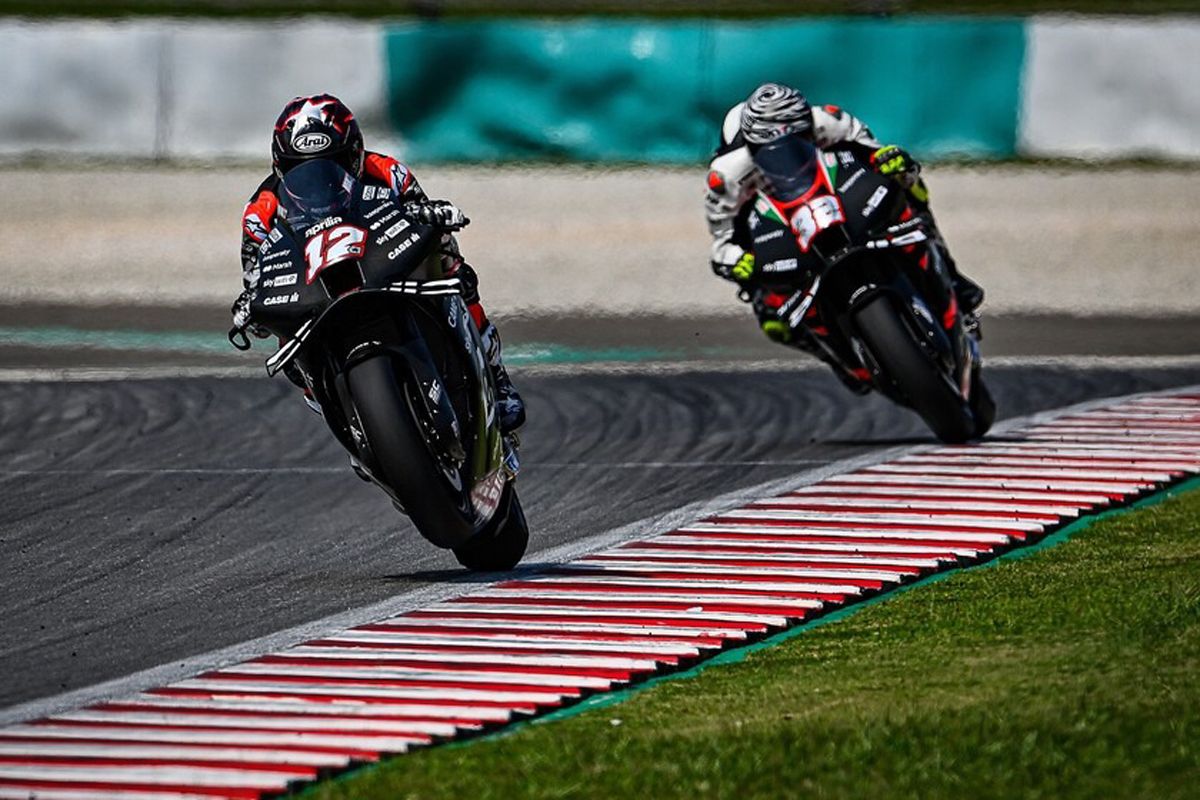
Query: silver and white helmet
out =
(773, 110)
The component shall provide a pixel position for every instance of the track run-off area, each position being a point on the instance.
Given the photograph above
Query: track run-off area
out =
(208, 603)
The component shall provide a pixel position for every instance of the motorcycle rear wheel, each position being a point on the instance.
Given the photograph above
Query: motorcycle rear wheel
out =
(906, 364)
(402, 456)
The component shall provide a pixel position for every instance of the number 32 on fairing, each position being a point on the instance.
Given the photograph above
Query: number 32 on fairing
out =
(339, 243)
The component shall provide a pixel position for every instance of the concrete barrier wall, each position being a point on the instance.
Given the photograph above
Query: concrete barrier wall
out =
(624, 90)
(163, 89)
(1112, 88)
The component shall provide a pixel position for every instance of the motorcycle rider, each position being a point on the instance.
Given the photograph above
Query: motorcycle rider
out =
(321, 126)
(772, 110)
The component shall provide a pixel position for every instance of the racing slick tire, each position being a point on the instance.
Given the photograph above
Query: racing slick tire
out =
(905, 363)
(402, 456)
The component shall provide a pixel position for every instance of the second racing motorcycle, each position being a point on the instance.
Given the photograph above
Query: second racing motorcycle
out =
(351, 282)
(864, 284)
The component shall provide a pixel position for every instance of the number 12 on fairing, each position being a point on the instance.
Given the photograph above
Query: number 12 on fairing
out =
(328, 247)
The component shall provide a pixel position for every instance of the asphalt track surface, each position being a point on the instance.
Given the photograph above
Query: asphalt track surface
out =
(146, 521)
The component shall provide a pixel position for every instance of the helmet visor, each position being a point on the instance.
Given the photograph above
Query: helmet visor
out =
(315, 190)
(788, 164)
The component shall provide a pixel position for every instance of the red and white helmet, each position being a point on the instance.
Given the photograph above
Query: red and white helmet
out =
(318, 126)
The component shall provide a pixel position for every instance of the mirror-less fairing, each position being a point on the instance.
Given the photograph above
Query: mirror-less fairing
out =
(353, 287)
(866, 284)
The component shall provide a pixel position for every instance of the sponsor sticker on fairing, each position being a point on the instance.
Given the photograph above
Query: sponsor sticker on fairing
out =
(782, 265)
(278, 265)
(853, 179)
(280, 280)
(874, 201)
(281, 299)
(769, 235)
(400, 248)
(391, 232)
(377, 224)
(328, 222)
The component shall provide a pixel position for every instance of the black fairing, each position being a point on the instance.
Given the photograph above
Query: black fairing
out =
(395, 248)
(871, 204)
(346, 309)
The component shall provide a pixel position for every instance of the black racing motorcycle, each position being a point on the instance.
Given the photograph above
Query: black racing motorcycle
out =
(351, 282)
(866, 284)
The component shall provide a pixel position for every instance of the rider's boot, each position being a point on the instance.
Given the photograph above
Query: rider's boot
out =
(509, 404)
(968, 293)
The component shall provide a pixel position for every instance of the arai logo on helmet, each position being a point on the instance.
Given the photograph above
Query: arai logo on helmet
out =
(311, 142)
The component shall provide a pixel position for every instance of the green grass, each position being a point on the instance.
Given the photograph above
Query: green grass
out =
(1071, 672)
(665, 8)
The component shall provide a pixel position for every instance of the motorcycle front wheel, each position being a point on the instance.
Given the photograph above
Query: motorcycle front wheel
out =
(904, 362)
(502, 547)
(402, 456)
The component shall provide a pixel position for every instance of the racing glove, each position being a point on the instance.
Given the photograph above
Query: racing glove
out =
(743, 270)
(241, 315)
(441, 214)
(895, 162)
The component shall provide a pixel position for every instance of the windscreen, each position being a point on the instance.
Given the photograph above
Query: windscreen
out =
(788, 165)
(315, 190)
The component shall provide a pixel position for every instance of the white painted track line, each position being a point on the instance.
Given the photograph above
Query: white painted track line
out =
(394, 743)
(178, 776)
(512, 642)
(259, 722)
(502, 698)
(586, 630)
(14, 792)
(167, 752)
(629, 604)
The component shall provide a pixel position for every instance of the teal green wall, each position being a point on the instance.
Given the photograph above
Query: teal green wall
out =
(653, 91)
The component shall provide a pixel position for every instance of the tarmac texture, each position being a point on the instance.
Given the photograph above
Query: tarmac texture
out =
(151, 520)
